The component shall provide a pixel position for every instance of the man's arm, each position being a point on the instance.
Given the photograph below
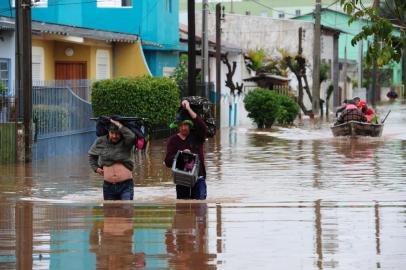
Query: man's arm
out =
(128, 135)
(200, 125)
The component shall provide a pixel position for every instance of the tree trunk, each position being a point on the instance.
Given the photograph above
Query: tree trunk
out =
(307, 88)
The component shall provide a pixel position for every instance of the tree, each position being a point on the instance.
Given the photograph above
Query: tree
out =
(384, 17)
(229, 77)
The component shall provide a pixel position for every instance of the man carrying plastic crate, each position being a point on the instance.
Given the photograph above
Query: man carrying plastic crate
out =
(191, 136)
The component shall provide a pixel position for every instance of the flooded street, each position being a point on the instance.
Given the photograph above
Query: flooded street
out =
(286, 199)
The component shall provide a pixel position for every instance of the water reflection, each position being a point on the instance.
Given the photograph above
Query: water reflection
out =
(111, 239)
(313, 235)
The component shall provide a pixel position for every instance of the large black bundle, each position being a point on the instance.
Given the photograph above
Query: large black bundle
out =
(136, 125)
(202, 106)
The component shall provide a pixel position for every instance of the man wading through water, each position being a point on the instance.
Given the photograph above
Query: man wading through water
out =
(110, 157)
(191, 136)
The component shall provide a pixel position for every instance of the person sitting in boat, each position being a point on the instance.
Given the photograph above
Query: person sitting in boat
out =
(368, 112)
(351, 113)
(346, 102)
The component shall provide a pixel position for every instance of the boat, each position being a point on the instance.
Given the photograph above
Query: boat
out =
(355, 128)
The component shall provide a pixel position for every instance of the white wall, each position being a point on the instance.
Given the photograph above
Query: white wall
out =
(255, 32)
(7, 50)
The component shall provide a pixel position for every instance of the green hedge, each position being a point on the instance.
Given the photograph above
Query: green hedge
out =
(266, 107)
(50, 118)
(154, 98)
(288, 110)
(262, 106)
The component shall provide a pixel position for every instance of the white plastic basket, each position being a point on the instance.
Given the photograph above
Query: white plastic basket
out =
(182, 177)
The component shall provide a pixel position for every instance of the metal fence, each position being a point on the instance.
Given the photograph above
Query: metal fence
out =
(58, 110)
(81, 88)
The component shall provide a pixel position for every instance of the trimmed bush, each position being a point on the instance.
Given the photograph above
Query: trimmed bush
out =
(154, 98)
(288, 110)
(262, 106)
(50, 118)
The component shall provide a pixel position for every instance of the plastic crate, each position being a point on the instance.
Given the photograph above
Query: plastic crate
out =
(181, 176)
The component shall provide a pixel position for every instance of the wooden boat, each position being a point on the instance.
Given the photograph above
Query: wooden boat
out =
(354, 129)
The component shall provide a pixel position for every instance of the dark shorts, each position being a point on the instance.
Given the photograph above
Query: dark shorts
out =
(118, 191)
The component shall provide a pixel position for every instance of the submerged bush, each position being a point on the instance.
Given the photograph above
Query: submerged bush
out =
(262, 106)
(288, 110)
(265, 107)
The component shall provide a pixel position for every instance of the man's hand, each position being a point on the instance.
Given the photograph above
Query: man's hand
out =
(118, 124)
(100, 171)
(186, 104)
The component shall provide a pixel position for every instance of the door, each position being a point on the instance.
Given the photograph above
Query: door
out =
(73, 75)
(70, 71)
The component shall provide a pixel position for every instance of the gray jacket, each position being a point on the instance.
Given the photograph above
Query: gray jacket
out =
(104, 153)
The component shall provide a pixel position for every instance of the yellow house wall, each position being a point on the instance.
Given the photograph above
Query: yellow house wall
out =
(49, 66)
(81, 53)
(129, 60)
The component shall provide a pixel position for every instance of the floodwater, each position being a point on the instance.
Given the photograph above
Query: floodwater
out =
(288, 199)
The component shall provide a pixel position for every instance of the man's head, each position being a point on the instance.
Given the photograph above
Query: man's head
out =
(184, 127)
(114, 133)
(356, 100)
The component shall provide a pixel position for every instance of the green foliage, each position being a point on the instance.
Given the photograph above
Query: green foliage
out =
(257, 58)
(154, 98)
(180, 76)
(265, 107)
(2, 88)
(288, 110)
(324, 72)
(50, 118)
(262, 106)
(387, 46)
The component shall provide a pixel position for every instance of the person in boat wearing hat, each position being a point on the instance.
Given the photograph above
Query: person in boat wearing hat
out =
(351, 113)
(110, 157)
(191, 136)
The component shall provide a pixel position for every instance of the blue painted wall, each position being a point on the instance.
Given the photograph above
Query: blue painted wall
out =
(157, 60)
(153, 20)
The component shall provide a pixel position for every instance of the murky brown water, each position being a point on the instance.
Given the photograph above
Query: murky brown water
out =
(292, 199)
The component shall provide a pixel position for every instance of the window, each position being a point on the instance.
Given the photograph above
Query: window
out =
(37, 64)
(102, 64)
(114, 3)
(5, 74)
(35, 3)
(297, 12)
(281, 15)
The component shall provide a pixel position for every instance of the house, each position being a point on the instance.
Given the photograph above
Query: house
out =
(232, 109)
(257, 32)
(276, 9)
(155, 23)
(339, 20)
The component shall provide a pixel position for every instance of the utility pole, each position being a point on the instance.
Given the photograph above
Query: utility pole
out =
(232, 7)
(373, 89)
(316, 60)
(218, 65)
(191, 48)
(24, 71)
(360, 50)
(345, 73)
(205, 50)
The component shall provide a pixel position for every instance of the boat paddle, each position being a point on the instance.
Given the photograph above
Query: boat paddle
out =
(383, 121)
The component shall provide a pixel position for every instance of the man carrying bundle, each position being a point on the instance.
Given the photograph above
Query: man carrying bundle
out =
(191, 136)
(110, 157)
